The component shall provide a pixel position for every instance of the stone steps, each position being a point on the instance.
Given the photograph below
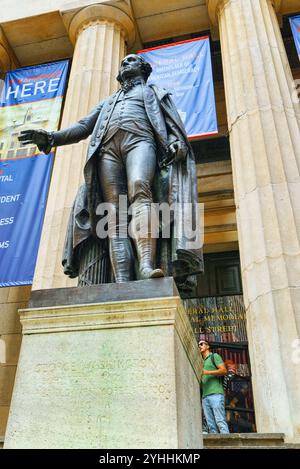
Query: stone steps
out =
(247, 441)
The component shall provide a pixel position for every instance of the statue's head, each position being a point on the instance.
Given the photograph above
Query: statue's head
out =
(133, 66)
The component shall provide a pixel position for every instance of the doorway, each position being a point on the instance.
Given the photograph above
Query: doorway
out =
(217, 314)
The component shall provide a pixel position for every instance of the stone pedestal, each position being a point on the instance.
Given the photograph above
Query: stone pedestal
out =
(117, 374)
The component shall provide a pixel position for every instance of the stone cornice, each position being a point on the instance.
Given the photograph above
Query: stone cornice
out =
(8, 60)
(99, 14)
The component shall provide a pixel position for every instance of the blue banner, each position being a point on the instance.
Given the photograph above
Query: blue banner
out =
(23, 194)
(30, 84)
(295, 25)
(31, 99)
(184, 69)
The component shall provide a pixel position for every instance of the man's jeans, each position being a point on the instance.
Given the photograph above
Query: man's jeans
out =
(214, 411)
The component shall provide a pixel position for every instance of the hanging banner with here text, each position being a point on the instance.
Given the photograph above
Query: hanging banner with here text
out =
(295, 25)
(184, 69)
(31, 99)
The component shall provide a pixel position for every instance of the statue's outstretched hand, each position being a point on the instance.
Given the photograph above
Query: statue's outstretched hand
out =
(39, 137)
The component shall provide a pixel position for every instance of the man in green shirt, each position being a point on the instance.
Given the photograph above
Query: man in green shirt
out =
(213, 401)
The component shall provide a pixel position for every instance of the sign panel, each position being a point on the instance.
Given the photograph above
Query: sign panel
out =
(219, 319)
(31, 99)
(184, 69)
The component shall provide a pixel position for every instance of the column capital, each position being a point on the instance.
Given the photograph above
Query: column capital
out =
(8, 60)
(98, 14)
(215, 6)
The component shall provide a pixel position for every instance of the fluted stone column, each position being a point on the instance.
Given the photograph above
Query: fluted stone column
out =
(265, 149)
(100, 33)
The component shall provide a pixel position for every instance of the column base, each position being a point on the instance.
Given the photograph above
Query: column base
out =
(118, 374)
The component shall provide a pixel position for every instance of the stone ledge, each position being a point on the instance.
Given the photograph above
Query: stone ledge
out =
(137, 290)
(112, 314)
(245, 436)
(247, 440)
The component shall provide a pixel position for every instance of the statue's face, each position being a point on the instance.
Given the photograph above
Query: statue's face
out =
(131, 67)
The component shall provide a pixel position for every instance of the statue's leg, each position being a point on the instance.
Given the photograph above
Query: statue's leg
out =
(141, 166)
(113, 182)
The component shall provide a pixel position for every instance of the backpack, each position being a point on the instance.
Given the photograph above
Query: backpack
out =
(226, 379)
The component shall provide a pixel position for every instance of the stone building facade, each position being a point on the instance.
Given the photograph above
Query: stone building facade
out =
(251, 199)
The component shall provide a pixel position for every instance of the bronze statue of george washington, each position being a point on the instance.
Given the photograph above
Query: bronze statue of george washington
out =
(138, 149)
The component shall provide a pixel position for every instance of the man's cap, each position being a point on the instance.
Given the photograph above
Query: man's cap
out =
(203, 340)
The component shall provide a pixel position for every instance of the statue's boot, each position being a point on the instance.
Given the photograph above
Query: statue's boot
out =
(148, 272)
(120, 249)
(122, 259)
(144, 242)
